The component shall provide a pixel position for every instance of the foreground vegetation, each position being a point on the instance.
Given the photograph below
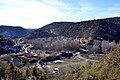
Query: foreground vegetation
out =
(11, 72)
(107, 69)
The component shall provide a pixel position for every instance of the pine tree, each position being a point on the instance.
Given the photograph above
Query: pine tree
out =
(28, 73)
(38, 73)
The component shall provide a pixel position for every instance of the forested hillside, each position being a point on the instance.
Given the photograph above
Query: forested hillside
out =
(108, 28)
(14, 31)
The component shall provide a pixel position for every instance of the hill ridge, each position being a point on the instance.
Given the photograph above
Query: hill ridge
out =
(86, 29)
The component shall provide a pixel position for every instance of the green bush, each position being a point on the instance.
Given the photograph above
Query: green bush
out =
(11, 72)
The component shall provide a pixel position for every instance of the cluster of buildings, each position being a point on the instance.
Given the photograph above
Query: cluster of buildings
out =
(24, 56)
(17, 51)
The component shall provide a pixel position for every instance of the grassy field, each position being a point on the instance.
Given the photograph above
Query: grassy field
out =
(67, 65)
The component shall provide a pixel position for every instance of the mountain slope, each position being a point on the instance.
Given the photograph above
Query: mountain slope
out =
(13, 31)
(108, 28)
(49, 30)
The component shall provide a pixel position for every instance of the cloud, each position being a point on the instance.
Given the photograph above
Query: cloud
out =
(114, 10)
(31, 13)
(84, 8)
(37, 13)
(82, 11)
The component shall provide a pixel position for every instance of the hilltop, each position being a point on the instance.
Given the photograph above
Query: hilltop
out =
(108, 28)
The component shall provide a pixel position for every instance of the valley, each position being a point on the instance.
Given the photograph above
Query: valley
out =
(59, 47)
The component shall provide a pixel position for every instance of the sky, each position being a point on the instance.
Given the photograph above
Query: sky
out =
(37, 13)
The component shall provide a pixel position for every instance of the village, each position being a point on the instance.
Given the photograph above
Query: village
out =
(23, 54)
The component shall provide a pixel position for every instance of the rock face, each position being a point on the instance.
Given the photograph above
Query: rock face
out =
(13, 31)
(108, 29)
